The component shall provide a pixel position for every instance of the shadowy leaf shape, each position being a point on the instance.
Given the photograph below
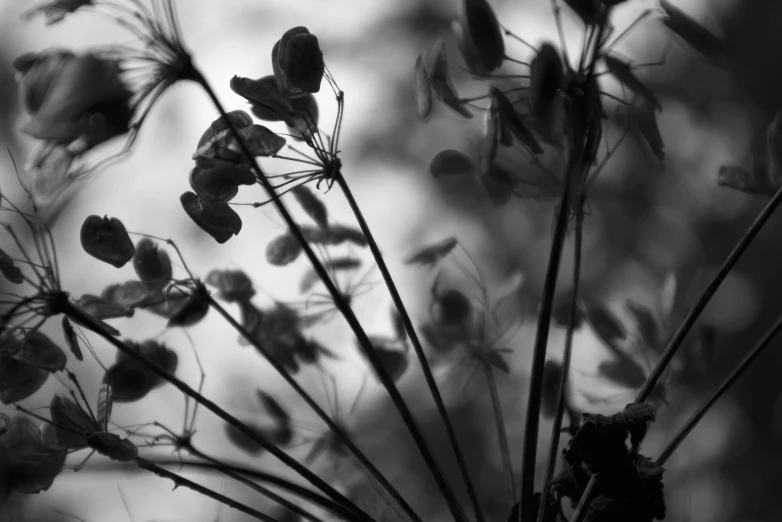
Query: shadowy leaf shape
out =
(54, 10)
(106, 239)
(646, 121)
(283, 250)
(216, 219)
(40, 351)
(335, 264)
(645, 324)
(234, 286)
(423, 90)
(547, 79)
(274, 408)
(623, 72)
(152, 265)
(302, 122)
(243, 441)
(130, 380)
(755, 181)
(697, 36)
(480, 36)
(312, 205)
(19, 380)
(131, 294)
(515, 124)
(393, 360)
(174, 300)
(605, 324)
(431, 254)
(334, 235)
(299, 62)
(499, 184)
(451, 162)
(496, 359)
(9, 269)
(451, 308)
(71, 339)
(218, 181)
(194, 310)
(101, 308)
(441, 81)
(31, 466)
(561, 312)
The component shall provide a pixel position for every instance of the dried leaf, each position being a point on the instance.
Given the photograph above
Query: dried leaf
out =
(194, 310)
(152, 265)
(40, 351)
(646, 121)
(131, 294)
(299, 61)
(755, 181)
(105, 403)
(267, 102)
(235, 286)
(511, 118)
(218, 181)
(423, 90)
(106, 239)
(100, 308)
(547, 79)
(441, 81)
(482, 32)
(9, 269)
(19, 380)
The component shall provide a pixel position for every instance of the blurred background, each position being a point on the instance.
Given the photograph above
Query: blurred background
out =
(646, 220)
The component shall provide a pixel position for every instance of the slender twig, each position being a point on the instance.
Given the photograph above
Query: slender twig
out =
(179, 480)
(689, 321)
(502, 433)
(416, 342)
(79, 317)
(350, 317)
(556, 429)
(344, 438)
(696, 417)
(252, 485)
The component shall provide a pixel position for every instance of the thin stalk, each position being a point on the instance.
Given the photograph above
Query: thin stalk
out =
(502, 433)
(79, 317)
(344, 308)
(416, 342)
(252, 485)
(689, 321)
(696, 417)
(704, 299)
(556, 429)
(532, 420)
(274, 480)
(333, 426)
(179, 480)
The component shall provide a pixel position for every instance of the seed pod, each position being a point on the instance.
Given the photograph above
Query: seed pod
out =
(481, 36)
(514, 122)
(194, 310)
(40, 351)
(267, 102)
(213, 142)
(283, 250)
(9, 270)
(131, 294)
(218, 181)
(547, 79)
(441, 81)
(100, 308)
(312, 205)
(646, 122)
(448, 163)
(243, 441)
(71, 339)
(302, 121)
(69, 421)
(423, 90)
(451, 308)
(19, 380)
(622, 71)
(298, 62)
(106, 239)
(234, 286)
(152, 265)
(699, 38)
(431, 254)
(216, 219)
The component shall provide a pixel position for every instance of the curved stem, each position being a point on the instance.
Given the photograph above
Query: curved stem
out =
(350, 317)
(252, 485)
(416, 342)
(179, 480)
(79, 317)
(556, 429)
(344, 438)
(706, 296)
(698, 415)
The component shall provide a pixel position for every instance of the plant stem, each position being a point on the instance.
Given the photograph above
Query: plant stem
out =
(416, 342)
(704, 299)
(333, 426)
(696, 417)
(252, 485)
(502, 433)
(529, 454)
(689, 321)
(344, 308)
(182, 481)
(79, 317)
(556, 429)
